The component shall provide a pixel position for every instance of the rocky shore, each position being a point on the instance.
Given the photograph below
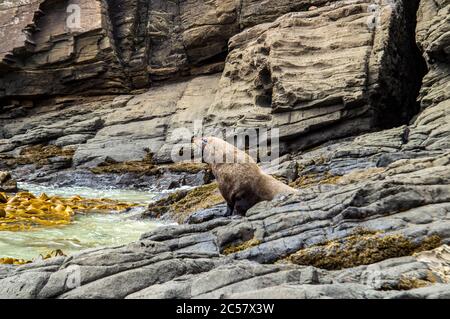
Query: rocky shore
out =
(359, 89)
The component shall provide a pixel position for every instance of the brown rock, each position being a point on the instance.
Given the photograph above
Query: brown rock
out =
(4, 177)
(7, 184)
(13, 19)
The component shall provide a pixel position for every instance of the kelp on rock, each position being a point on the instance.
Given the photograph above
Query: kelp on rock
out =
(16, 261)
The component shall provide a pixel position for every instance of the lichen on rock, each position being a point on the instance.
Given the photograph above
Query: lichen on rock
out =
(310, 180)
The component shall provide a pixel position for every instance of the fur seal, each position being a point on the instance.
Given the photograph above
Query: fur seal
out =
(241, 181)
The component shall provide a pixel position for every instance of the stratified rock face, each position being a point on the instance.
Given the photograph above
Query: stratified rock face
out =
(330, 72)
(255, 12)
(118, 45)
(433, 37)
(14, 17)
(191, 37)
(124, 128)
(64, 47)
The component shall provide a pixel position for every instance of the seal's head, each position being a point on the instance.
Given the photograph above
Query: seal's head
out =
(241, 182)
(217, 151)
(199, 144)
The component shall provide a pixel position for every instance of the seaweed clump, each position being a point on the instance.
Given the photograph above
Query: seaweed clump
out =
(361, 248)
(40, 155)
(146, 167)
(179, 205)
(16, 261)
(143, 167)
(25, 211)
(310, 180)
(231, 249)
(188, 167)
(408, 283)
(13, 261)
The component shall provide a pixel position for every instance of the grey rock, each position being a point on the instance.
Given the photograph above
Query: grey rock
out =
(23, 286)
(205, 215)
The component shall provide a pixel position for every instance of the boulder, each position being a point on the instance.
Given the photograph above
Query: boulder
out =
(7, 184)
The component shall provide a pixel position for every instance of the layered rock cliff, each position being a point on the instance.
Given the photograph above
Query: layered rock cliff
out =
(319, 74)
(363, 82)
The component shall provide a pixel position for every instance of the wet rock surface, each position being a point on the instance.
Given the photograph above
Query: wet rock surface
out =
(372, 216)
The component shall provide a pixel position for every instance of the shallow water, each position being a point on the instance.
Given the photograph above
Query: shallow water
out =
(87, 231)
(133, 196)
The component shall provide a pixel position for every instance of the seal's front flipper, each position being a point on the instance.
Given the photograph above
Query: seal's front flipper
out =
(229, 211)
(241, 206)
